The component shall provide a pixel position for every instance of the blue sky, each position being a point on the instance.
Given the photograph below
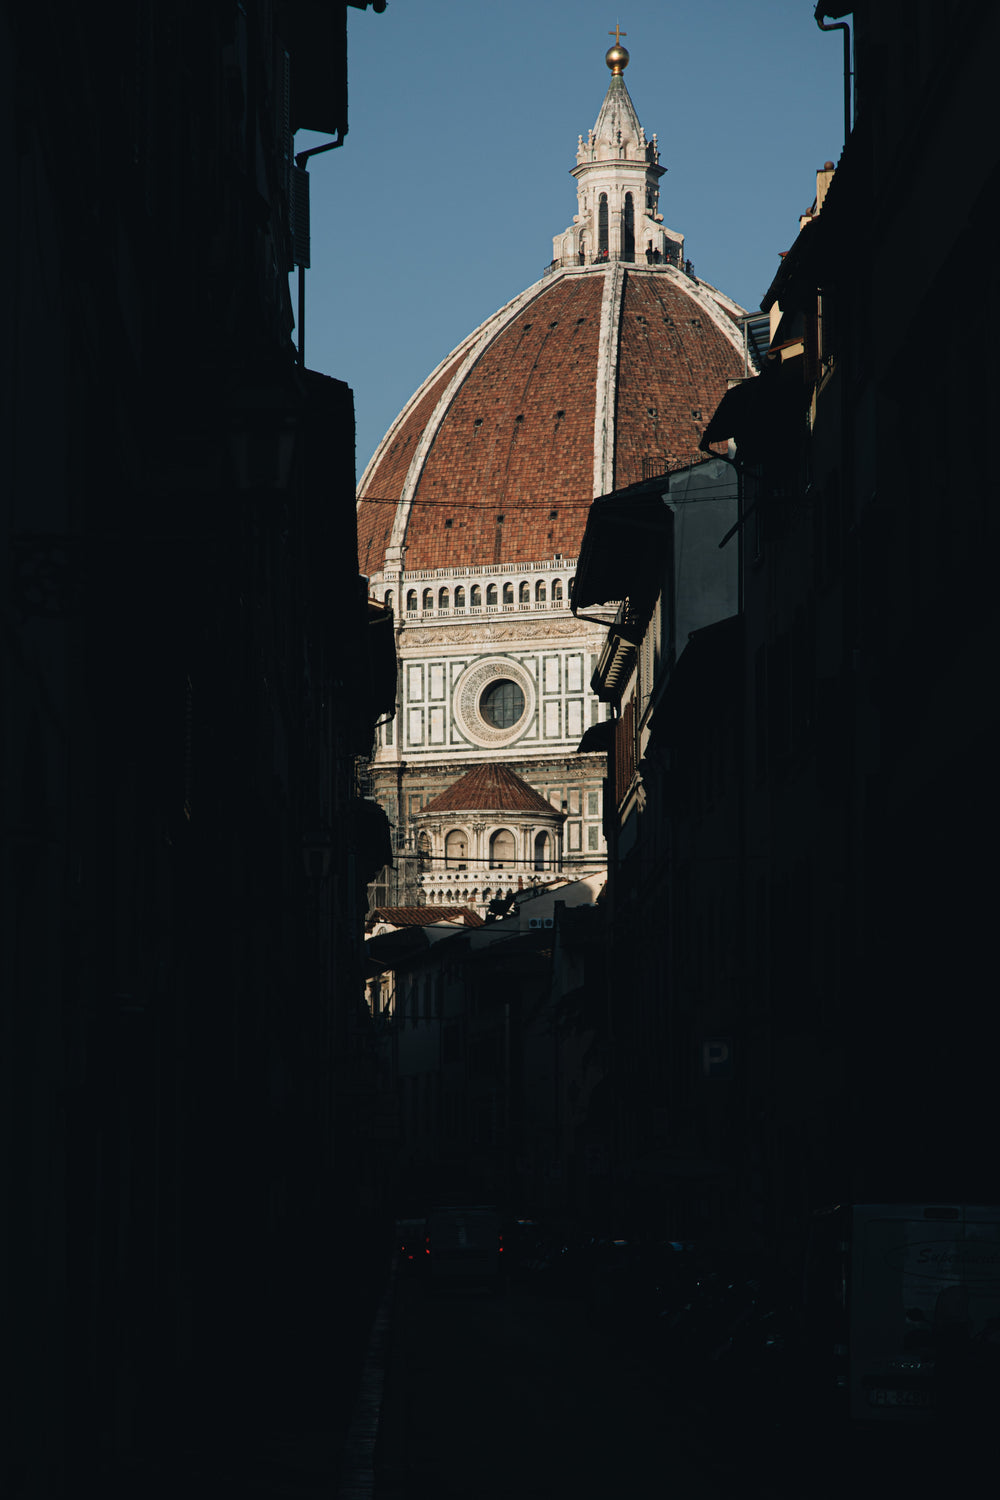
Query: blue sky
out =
(454, 176)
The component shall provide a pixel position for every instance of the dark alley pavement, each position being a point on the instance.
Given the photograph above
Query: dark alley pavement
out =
(470, 1396)
(489, 1396)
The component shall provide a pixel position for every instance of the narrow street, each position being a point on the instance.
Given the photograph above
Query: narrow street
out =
(517, 1394)
(470, 1396)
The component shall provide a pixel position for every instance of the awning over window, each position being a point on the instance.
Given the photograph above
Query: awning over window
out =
(623, 545)
(761, 415)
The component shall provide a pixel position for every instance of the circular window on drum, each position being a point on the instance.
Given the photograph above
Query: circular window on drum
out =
(502, 704)
(494, 702)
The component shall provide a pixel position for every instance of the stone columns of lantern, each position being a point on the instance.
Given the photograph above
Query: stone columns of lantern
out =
(616, 200)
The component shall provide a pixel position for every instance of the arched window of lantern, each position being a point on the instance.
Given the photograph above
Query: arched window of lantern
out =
(388, 598)
(540, 591)
(491, 596)
(444, 599)
(542, 854)
(411, 599)
(476, 598)
(524, 592)
(572, 585)
(508, 593)
(503, 850)
(602, 224)
(557, 590)
(456, 850)
(428, 598)
(459, 597)
(628, 229)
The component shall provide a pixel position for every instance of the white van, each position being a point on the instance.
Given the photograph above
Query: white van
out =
(464, 1244)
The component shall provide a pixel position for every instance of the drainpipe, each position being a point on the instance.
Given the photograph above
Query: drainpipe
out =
(820, 12)
(302, 160)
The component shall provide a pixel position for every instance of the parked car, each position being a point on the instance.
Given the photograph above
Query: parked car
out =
(410, 1243)
(464, 1244)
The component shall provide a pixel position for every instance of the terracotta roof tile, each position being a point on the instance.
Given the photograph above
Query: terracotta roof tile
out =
(388, 476)
(517, 441)
(509, 475)
(490, 788)
(422, 916)
(674, 366)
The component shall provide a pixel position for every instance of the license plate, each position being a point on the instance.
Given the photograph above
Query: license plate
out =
(897, 1397)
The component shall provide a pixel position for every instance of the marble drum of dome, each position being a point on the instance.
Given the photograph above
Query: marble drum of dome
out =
(494, 702)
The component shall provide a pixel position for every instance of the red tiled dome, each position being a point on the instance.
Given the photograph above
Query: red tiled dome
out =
(558, 397)
(491, 788)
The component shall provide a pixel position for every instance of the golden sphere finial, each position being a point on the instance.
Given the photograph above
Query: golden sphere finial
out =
(616, 57)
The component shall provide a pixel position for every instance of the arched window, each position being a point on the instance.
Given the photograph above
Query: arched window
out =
(572, 585)
(424, 850)
(459, 597)
(602, 225)
(524, 593)
(428, 599)
(503, 850)
(477, 597)
(628, 229)
(388, 598)
(540, 591)
(456, 850)
(557, 591)
(411, 599)
(542, 855)
(444, 599)
(491, 595)
(508, 593)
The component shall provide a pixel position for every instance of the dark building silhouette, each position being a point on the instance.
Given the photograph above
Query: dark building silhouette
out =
(871, 635)
(832, 744)
(191, 666)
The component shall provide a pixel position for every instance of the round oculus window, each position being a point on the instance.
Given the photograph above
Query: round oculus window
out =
(502, 704)
(494, 702)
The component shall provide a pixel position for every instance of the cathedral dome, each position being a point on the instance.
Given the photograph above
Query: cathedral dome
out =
(471, 516)
(603, 372)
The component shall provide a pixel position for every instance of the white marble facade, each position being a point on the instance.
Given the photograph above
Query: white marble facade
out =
(453, 653)
(455, 658)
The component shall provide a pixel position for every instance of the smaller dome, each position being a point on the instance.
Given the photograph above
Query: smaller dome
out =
(617, 58)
